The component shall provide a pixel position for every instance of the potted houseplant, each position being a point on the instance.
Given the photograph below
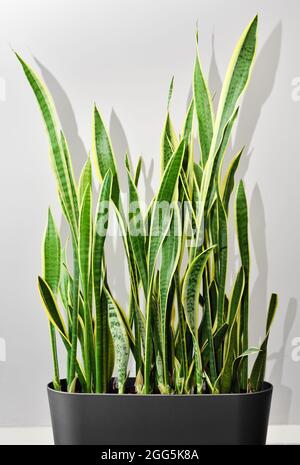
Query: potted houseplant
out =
(185, 325)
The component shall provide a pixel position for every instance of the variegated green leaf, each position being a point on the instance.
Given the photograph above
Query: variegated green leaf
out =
(101, 329)
(168, 142)
(229, 180)
(242, 233)
(56, 319)
(204, 111)
(85, 179)
(222, 258)
(120, 340)
(57, 155)
(170, 255)
(226, 376)
(85, 257)
(236, 79)
(137, 232)
(52, 255)
(259, 367)
(164, 197)
(190, 298)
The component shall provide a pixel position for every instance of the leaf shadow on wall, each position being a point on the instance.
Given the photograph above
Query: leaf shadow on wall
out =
(282, 395)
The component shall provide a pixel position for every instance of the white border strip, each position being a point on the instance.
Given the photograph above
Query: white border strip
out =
(277, 434)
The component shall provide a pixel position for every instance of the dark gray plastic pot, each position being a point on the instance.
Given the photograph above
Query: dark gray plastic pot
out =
(131, 419)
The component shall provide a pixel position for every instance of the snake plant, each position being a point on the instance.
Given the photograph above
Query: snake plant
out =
(186, 323)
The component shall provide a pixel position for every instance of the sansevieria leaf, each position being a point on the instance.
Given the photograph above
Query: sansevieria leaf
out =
(51, 274)
(170, 255)
(137, 232)
(52, 255)
(101, 329)
(85, 257)
(56, 319)
(190, 298)
(204, 111)
(242, 234)
(104, 155)
(229, 180)
(85, 179)
(164, 197)
(57, 155)
(160, 220)
(120, 340)
(258, 370)
(236, 79)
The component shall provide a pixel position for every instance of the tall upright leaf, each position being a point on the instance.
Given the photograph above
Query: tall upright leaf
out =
(85, 256)
(101, 328)
(259, 367)
(137, 232)
(51, 274)
(170, 255)
(190, 298)
(104, 155)
(204, 111)
(56, 153)
(120, 340)
(228, 184)
(164, 197)
(242, 234)
(158, 229)
(85, 179)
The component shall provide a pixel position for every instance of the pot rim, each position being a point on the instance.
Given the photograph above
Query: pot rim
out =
(267, 387)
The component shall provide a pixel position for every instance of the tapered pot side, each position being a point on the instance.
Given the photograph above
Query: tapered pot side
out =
(131, 419)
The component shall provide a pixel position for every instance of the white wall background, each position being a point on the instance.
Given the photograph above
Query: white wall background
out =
(122, 54)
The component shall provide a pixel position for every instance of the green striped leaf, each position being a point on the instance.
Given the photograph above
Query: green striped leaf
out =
(51, 307)
(188, 123)
(51, 255)
(204, 111)
(85, 240)
(54, 316)
(85, 255)
(138, 171)
(101, 327)
(168, 142)
(104, 155)
(165, 196)
(222, 258)
(228, 184)
(259, 367)
(85, 179)
(170, 254)
(190, 298)
(137, 232)
(57, 155)
(120, 340)
(51, 274)
(226, 376)
(71, 176)
(242, 234)
(236, 79)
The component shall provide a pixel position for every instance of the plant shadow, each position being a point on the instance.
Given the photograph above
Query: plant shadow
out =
(282, 394)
